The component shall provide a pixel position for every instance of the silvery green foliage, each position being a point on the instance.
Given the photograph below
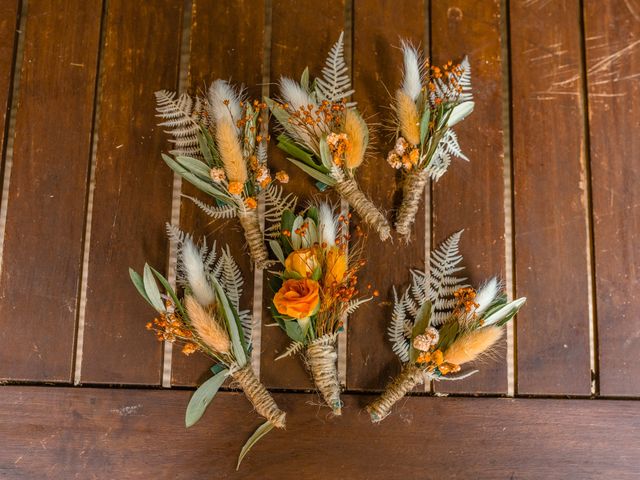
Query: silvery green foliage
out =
(335, 84)
(221, 267)
(437, 286)
(275, 203)
(222, 212)
(441, 159)
(182, 117)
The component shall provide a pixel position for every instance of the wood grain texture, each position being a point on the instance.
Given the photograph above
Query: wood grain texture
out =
(301, 35)
(96, 433)
(377, 67)
(132, 198)
(9, 18)
(42, 254)
(226, 42)
(612, 65)
(550, 226)
(470, 195)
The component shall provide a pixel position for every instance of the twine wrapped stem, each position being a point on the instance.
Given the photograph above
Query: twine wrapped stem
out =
(398, 388)
(253, 234)
(412, 195)
(258, 395)
(349, 190)
(321, 357)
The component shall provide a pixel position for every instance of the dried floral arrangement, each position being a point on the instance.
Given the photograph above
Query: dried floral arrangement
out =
(315, 290)
(325, 135)
(429, 103)
(440, 324)
(220, 146)
(208, 319)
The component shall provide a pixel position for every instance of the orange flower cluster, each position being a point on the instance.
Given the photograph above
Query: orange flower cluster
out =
(170, 326)
(338, 144)
(257, 106)
(465, 301)
(449, 75)
(403, 155)
(435, 359)
(235, 188)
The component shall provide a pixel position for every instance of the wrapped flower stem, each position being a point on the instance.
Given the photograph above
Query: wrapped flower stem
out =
(321, 357)
(220, 147)
(412, 196)
(208, 319)
(410, 377)
(325, 135)
(315, 290)
(440, 324)
(258, 395)
(430, 101)
(253, 234)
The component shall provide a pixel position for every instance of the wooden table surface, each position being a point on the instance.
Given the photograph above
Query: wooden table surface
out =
(550, 201)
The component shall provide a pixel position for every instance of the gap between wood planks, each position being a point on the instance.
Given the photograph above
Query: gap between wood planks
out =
(82, 301)
(11, 125)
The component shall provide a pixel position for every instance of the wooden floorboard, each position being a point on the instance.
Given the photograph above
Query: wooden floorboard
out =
(128, 433)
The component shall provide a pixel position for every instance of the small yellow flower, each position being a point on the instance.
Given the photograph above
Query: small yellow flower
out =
(336, 266)
(235, 188)
(303, 262)
(250, 203)
(282, 177)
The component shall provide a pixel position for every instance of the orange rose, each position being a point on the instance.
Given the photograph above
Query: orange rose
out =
(303, 262)
(297, 298)
(335, 265)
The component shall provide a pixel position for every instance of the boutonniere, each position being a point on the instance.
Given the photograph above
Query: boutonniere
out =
(440, 324)
(428, 104)
(325, 135)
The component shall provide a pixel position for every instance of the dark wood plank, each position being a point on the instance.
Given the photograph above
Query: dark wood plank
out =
(292, 49)
(377, 67)
(612, 63)
(92, 433)
(471, 194)
(132, 198)
(9, 19)
(550, 227)
(42, 253)
(226, 42)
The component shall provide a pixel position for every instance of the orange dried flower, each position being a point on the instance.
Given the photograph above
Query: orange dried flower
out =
(189, 348)
(235, 188)
(282, 177)
(251, 203)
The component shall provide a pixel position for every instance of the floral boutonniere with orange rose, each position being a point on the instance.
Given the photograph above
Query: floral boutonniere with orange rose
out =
(316, 288)
(220, 146)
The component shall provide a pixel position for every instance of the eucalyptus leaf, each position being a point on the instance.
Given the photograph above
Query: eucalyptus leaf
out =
(169, 289)
(151, 287)
(505, 314)
(459, 112)
(304, 79)
(296, 239)
(203, 396)
(204, 148)
(285, 144)
(195, 166)
(326, 179)
(325, 154)
(424, 123)
(260, 432)
(277, 250)
(197, 181)
(139, 284)
(294, 330)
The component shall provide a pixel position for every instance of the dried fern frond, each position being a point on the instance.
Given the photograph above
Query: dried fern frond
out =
(397, 330)
(181, 117)
(293, 349)
(335, 83)
(218, 212)
(276, 202)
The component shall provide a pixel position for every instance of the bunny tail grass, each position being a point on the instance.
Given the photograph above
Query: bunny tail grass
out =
(258, 395)
(397, 389)
(321, 358)
(412, 195)
(252, 233)
(349, 190)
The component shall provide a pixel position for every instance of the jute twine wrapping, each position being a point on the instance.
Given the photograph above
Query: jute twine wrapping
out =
(259, 397)
(349, 190)
(252, 233)
(321, 357)
(412, 195)
(398, 388)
